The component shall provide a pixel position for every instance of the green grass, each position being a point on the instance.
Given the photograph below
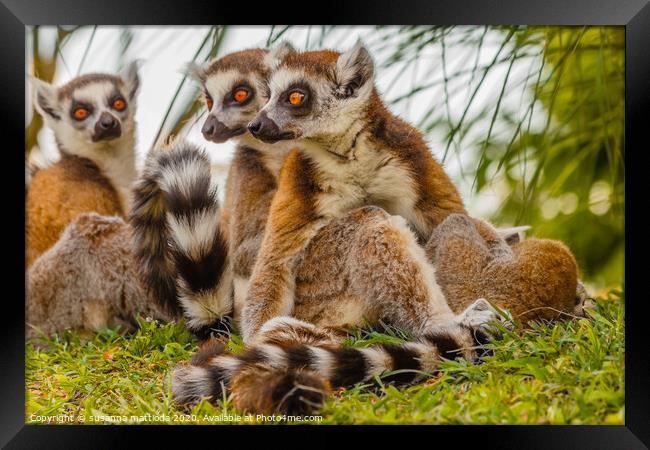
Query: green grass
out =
(565, 373)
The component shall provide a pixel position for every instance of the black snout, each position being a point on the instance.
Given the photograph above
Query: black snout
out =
(255, 127)
(107, 127)
(266, 130)
(215, 131)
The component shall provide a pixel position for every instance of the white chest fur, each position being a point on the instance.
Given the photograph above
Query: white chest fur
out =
(368, 176)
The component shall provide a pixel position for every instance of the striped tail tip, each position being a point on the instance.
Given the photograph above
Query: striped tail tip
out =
(264, 390)
(192, 383)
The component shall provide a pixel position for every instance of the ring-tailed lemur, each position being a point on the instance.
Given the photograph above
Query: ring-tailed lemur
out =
(93, 120)
(356, 153)
(175, 201)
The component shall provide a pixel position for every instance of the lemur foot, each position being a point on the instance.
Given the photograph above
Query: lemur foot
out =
(467, 333)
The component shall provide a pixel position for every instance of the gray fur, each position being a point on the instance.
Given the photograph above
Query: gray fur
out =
(87, 280)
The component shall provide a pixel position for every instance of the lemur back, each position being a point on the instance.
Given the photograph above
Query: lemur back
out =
(87, 280)
(92, 117)
(57, 195)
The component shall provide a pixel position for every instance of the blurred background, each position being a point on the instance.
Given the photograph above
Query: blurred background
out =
(528, 121)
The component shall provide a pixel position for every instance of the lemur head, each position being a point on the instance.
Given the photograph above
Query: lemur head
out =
(315, 94)
(91, 112)
(235, 89)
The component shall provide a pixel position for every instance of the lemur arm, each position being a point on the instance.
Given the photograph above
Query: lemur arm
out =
(292, 223)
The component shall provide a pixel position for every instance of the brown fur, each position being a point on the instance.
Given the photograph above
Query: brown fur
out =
(534, 279)
(295, 392)
(248, 196)
(288, 230)
(58, 194)
(437, 194)
(244, 61)
(208, 349)
(87, 280)
(317, 62)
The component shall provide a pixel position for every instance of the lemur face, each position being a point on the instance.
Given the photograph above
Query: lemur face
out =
(315, 94)
(93, 110)
(234, 89)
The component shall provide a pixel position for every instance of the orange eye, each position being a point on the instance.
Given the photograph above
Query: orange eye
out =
(209, 102)
(296, 98)
(240, 95)
(80, 113)
(119, 104)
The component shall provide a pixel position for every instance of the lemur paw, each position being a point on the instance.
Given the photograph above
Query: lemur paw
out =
(480, 318)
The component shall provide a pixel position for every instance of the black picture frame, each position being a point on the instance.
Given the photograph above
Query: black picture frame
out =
(633, 14)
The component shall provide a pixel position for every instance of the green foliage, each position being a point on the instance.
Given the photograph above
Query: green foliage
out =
(566, 178)
(565, 373)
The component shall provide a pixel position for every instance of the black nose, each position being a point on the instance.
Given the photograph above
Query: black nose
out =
(107, 121)
(215, 131)
(209, 127)
(255, 126)
(262, 127)
(266, 130)
(107, 127)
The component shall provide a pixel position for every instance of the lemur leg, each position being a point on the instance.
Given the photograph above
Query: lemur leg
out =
(461, 254)
(368, 266)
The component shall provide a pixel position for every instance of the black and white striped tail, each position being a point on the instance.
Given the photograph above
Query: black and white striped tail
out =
(181, 249)
(340, 366)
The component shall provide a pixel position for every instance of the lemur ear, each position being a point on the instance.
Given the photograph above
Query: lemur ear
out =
(277, 53)
(354, 69)
(45, 100)
(195, 71)
(129, 75)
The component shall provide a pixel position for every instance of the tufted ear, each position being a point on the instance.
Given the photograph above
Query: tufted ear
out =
(354, 70)
(45, 99)
(196, 71)
(277, 53)
(129, 74)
